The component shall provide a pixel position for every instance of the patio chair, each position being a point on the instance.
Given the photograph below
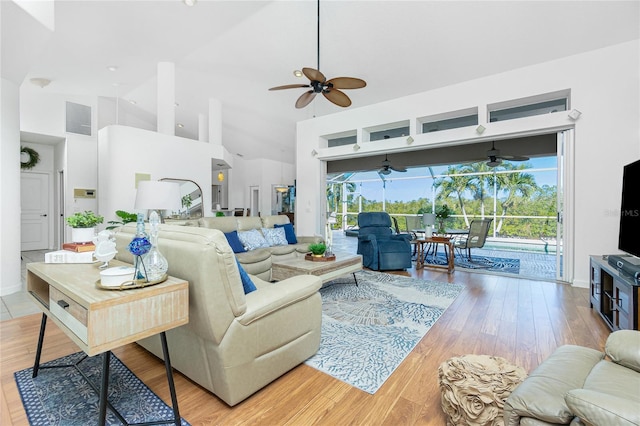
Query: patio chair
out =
(478, 231)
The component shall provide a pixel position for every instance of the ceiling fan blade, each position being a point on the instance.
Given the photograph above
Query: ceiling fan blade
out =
(305, 99)
(337, 97)
(289, 86)
(347, 83)
(314, 75)
(514, 157)
(398, 169)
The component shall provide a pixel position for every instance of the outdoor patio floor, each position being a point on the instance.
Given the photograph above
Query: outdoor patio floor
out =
(536, 265)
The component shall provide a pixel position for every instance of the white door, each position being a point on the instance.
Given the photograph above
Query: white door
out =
(564, 250)
(254, 201)
(34, 205)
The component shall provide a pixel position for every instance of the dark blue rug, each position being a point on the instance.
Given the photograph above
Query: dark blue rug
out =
(486, 263)
(61, 396)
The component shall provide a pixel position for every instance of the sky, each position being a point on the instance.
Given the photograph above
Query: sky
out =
(399, 188)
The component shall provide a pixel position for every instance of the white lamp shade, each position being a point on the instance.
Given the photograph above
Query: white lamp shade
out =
(428, 219)
(158, 195)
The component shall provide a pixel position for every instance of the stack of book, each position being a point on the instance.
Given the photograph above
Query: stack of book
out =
(72, 253)
(79, 247)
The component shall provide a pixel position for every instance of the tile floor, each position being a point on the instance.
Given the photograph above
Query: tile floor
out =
(19, 304)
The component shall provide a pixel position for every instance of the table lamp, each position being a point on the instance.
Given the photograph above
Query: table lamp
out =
(156, 195)
(428, 220)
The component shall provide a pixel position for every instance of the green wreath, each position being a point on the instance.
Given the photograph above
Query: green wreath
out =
(34, 157)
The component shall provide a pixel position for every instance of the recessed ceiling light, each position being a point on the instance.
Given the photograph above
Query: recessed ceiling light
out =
(112, 68)
(190, 2)
(180, 125)
(298, 73)
(239, 155)
(132, 102)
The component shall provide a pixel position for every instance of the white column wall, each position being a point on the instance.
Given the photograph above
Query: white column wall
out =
(166, 90)
(10, 280)
(604, 86)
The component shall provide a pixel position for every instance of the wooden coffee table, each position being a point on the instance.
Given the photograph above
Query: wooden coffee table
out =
(327, 271)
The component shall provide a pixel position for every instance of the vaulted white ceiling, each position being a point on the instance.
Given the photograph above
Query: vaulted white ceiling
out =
(233, 51)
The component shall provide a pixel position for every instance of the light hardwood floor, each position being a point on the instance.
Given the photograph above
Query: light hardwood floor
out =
(520, 320)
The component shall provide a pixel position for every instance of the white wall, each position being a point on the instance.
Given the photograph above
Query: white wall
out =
(262, 173)
(604, 86)
(10, 281)
(124, 151)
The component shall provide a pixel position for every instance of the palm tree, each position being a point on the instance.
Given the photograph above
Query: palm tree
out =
(513, 185)
(454, 185)
(479, 183)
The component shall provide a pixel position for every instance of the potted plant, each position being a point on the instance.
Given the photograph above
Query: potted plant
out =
(442, 213)
(317, 249)
(83, 226)
(125, 218)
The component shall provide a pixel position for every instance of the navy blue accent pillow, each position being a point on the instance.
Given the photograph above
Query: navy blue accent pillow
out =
(247, 284)
(288, 232)
(234, 242)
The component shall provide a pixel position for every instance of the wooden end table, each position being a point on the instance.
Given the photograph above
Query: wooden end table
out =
(101, 320)
(420, 255)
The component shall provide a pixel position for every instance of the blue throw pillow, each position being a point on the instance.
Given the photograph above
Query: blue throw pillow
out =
(234, 242)
(247, 284)
(288, 232)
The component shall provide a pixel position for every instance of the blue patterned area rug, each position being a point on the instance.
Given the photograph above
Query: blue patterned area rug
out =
(486, 263)
(61, 396)
(369, 329)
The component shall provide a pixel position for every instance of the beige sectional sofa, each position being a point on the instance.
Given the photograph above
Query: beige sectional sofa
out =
(582, 386)
(258, 262)
(234, 343)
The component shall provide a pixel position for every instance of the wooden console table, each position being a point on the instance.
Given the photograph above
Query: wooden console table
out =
(101, 320)
(420, 255)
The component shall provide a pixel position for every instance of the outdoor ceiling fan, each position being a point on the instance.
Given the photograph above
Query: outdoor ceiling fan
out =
(387, 167)
(318, 83)
(495, 159)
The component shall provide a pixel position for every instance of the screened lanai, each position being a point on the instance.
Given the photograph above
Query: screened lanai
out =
(520, 197)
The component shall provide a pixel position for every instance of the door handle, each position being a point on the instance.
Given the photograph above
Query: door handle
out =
(43, 215)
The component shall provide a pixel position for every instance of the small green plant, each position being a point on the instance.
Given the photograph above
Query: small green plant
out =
(186, 201)
(125, 218)
(219, 214)
(317, 248)
(86, 219)
(443, 212)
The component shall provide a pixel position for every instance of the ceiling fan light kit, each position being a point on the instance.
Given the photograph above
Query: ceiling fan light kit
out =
(495, 159)
(318, 83)
(387, 167)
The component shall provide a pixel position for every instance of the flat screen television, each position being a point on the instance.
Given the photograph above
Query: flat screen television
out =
(629, 237)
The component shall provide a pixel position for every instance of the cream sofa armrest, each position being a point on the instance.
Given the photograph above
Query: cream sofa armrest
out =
(623, 347)
(268, 299)
(599, 408)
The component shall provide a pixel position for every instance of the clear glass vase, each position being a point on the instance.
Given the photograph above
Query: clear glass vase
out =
(155, 264)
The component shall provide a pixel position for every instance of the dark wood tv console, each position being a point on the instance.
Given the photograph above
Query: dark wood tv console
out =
(614, 294)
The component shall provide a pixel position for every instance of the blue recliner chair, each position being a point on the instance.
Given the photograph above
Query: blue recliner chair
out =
(381, 249)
